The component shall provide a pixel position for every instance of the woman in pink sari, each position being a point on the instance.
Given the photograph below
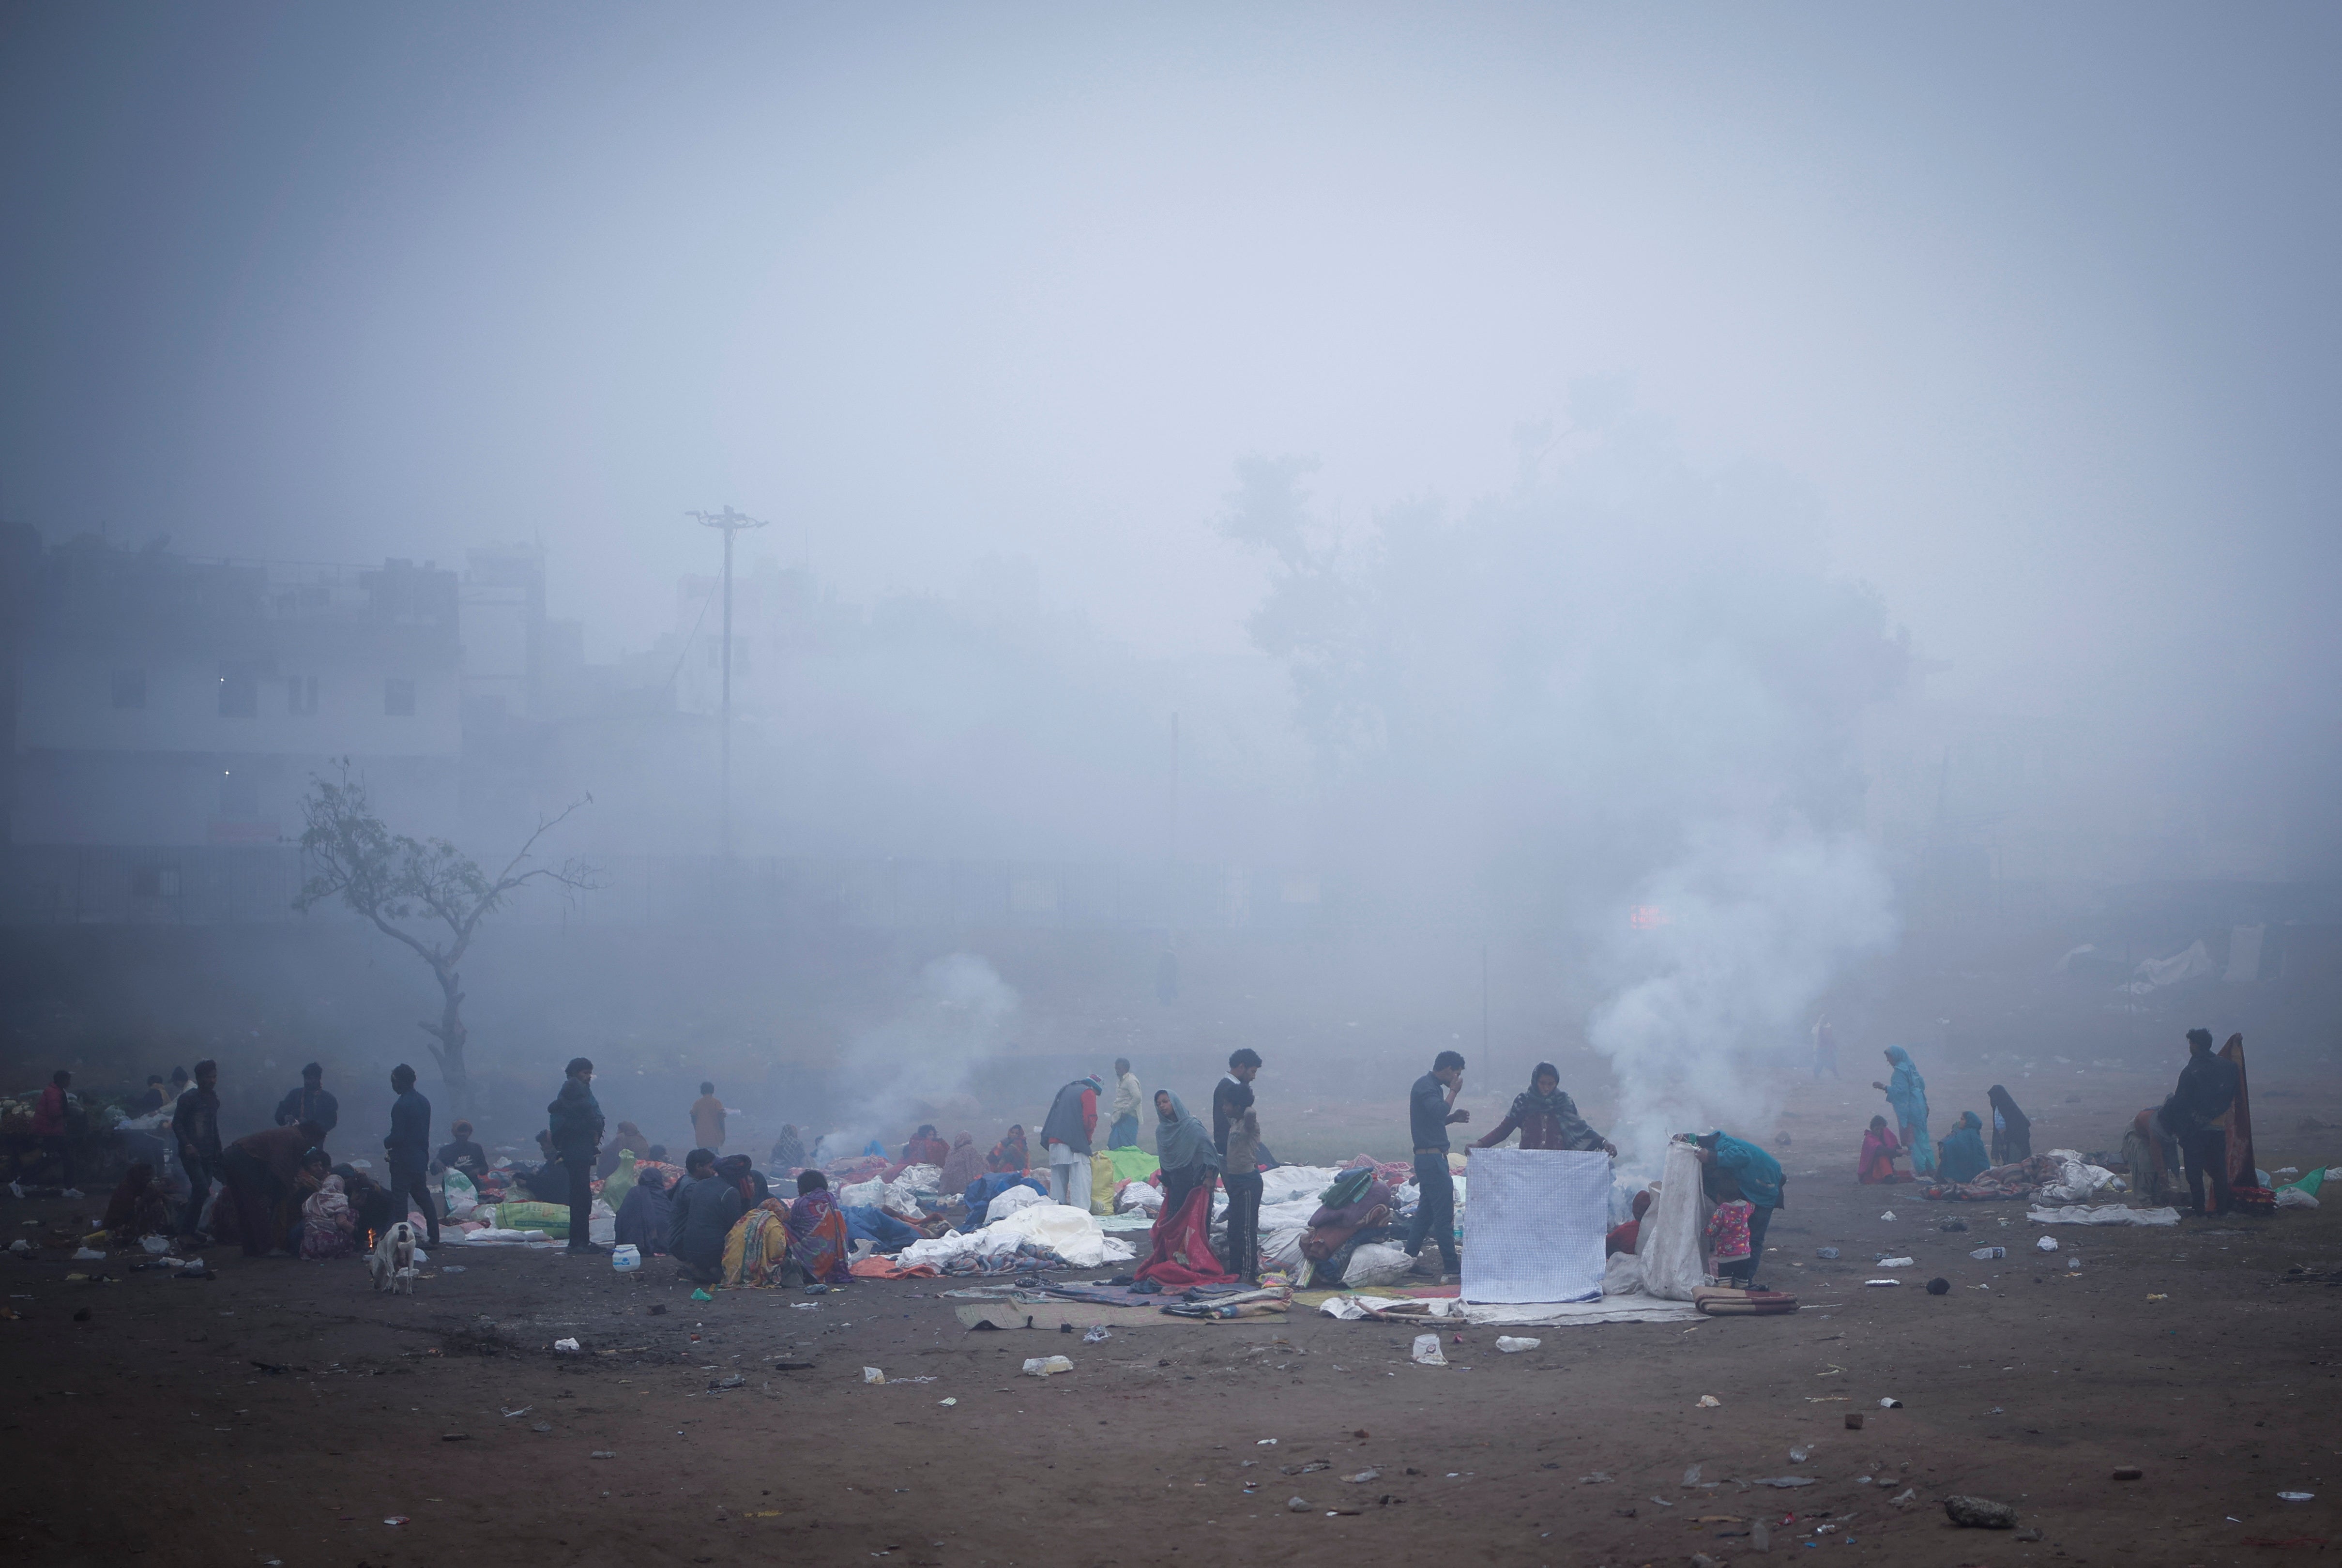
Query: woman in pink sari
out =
(1878, 1152)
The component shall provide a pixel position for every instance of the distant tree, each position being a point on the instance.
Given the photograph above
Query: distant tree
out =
(393, 880)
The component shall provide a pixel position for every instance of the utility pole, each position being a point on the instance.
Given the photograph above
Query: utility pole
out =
(731, 521)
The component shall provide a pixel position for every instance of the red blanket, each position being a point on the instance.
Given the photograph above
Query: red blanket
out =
(1181, 1255)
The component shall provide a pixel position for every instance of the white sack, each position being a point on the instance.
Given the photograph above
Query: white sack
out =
(1670, 1244)
(1623, 1275)
(1012, 1201)
(1376, 1264)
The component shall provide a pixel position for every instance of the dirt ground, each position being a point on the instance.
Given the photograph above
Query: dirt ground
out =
(282, 1414)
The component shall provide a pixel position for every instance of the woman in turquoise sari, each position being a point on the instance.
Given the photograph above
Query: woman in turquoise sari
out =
(1962, 1151)
(1908, 1092)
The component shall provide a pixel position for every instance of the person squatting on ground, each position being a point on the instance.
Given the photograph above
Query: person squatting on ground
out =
(1128, 1096)
(706, 1206)
(1879, 1150)
(408, 1146)
(1065, 1135)
(1960, 1155)
(2207, 1088)
(1430, 1112)
(1236, 1132)
(574, 1136)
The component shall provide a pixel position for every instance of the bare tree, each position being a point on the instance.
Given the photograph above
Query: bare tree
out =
(390, 879)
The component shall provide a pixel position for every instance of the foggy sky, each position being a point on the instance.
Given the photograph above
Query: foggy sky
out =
(2036, 303)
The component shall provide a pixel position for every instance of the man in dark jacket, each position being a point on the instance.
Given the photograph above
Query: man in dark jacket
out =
(576, 1135)
(408, 1145)
(2207, 1088)
(1065, 1135)
(195, 1126)
(309, 1102)
(1428, 1116)
(704, 1209)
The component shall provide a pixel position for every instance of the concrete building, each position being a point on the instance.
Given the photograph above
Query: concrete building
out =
(164, 703)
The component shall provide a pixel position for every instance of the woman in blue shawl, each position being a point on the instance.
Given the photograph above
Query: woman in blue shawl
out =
(1908, 1095)
(1736, 1168)
(1962, 1151)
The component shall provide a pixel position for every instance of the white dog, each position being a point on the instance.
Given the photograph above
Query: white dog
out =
(394, 1259)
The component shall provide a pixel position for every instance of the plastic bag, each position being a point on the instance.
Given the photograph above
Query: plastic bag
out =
(2294, 1198)
(461, 1195)
(1104, 1179)
(1376, 1264)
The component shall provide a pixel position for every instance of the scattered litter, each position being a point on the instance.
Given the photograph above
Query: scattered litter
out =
(1364, 1475)
(1890, 1405)
(1826, 1251)
(701, 1295)
(540, 1426)
(451, 1268)
(606, 1453)
(1986, 1254)
(739, 1381)
(1800, 1454)
(523, 1409)
(1904, 1498)
(1298, 1504)
(1099, 1334)
(2046, 1244)
(1980, 1513)
(1882, 1284)
(1783, 1481)
(1691, 1476)
(567, 1346)
(1940, 1286)
(1427, 1350)
(806, 1306)
(1035, 1366)
(396, 1519)
(1510, 1345)
(2072, 1263)
(87, 1255)
(1709, 1402)
(1886, 1263)
(872, 1374)
(2295, 1496)
(947, 1402)
(1597, 1478)
(1266, 1443)
(1854, 1421)
(2160, 1296)
(1887, 1216)
(1953, 1224)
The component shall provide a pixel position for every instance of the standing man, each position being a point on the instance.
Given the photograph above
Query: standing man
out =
(1235, 1133)
(2207, 1088)
(309, 1102)
(1124, 1135)
(50, 1125)
(707, 1119)
(1065, 1135)
(408, 1145)
(1430, 1112)
(576, 1135)
(194, 1125)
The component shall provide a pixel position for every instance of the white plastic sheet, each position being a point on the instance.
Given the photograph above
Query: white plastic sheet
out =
(1534, 1230)
(1670, 1244)
(1072, 1233)
(1014, 1200)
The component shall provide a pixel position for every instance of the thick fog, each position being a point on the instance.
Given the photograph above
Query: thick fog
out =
(1675, 501)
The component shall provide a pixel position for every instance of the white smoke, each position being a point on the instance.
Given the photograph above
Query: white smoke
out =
(957, 1017)
(1733, 945)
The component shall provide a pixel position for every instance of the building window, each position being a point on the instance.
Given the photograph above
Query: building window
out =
(154, 882)
(239, 795)
(129, 688)
(239, 694)
(398, 698)
(300, 693)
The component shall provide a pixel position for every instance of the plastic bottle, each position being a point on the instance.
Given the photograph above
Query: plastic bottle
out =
(626, 1259)
(1986, 1254)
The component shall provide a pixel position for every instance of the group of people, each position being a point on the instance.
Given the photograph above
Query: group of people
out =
(1960, 1155)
